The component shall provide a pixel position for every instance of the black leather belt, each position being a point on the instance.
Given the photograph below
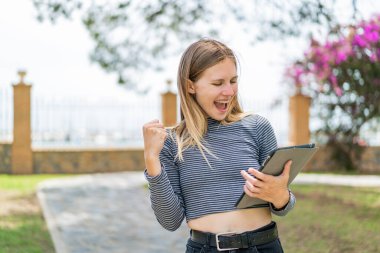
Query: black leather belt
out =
(230, 241)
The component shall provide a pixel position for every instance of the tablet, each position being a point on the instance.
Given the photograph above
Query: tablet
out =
(274, 164)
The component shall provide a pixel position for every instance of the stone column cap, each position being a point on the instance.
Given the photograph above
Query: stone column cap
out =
(22, 74)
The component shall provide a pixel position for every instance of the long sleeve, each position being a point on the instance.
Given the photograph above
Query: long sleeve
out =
(266, 138)
(165, 191)
(267, 143)
(286, 209)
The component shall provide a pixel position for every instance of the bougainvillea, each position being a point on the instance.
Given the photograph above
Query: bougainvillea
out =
(342, 75)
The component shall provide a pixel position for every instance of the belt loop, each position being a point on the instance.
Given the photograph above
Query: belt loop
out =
(248, 240)
(208, 241)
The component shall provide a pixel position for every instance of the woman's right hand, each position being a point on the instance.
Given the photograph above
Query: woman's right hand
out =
(154, 137)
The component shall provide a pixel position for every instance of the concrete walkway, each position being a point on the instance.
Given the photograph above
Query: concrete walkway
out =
(111, 213)
(348, 180)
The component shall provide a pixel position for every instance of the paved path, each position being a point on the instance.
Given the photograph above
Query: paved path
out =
(356, 180)
(111, 213)
(107, 213)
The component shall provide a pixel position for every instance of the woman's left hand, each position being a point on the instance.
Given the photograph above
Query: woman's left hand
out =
(273, 189)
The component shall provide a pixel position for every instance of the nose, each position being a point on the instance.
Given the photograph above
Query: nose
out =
(229, 90)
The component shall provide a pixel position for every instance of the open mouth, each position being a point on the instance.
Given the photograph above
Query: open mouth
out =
(221, 105)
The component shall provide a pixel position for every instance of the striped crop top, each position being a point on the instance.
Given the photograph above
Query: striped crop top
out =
(192, 189)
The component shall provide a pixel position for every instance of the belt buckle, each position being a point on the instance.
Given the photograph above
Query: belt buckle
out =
(217, 241)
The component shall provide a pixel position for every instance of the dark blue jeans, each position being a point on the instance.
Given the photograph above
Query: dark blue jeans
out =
(271, 247)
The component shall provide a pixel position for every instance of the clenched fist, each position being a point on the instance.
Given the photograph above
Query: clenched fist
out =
(154, 137)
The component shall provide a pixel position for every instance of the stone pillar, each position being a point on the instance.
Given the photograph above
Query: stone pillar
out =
(169, 107)
(299, 131)
(22, 160)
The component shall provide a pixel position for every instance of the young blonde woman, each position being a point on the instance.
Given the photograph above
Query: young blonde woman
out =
(198, 169)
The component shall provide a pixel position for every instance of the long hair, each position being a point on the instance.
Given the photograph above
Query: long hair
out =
(198, 57)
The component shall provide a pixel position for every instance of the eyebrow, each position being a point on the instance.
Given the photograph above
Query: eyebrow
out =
(216, 80)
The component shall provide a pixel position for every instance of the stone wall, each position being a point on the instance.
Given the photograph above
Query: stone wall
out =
(77, 161)
(5, 157)
(111, 160)
(369, 164)
(87, 161)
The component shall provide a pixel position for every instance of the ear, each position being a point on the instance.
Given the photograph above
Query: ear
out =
(190, 86)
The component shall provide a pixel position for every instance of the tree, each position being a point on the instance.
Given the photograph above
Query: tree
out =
(342, 75)
(125, 32)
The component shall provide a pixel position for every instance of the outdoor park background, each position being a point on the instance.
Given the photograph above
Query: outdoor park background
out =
(76, 104)
(74, 99)
(48, 53)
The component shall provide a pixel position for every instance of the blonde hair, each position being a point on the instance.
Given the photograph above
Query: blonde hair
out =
(198, 57)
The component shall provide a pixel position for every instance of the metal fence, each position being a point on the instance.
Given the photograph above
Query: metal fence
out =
(6, 114)
(58, 122)
(277, 115)
(65, 122)
(81, 124)
(90, 124)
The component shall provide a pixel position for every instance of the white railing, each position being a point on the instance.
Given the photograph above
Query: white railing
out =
(92, 124)
(6, 114)
(77, 123)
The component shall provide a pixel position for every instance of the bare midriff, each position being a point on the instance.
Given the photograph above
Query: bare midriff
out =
(234, 221)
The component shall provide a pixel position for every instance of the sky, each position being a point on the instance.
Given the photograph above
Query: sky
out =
(56, 58)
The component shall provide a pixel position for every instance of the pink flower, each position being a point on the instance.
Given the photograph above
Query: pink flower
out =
(333, 80)
(358, 41)
(356, 47)
(338, 91)
(373, 57)
(296, 72)
(328, 45)
(340, 57)
(372, 26)
(372, 37)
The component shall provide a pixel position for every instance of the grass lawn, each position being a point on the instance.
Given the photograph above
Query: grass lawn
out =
(326, 219)
(332, 219)
(22, 226)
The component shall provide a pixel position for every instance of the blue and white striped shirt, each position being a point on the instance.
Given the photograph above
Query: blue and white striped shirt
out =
(192, 189)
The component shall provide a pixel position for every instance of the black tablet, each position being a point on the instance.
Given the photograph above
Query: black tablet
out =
(274, 165)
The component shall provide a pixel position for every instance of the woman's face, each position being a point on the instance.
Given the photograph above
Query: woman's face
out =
(215, 89)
